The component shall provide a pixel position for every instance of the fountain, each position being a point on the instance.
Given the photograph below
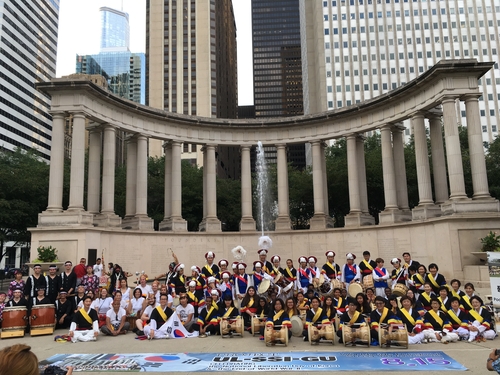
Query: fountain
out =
(262, 194)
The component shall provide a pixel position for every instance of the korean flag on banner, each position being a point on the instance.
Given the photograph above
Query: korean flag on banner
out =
(176, 330)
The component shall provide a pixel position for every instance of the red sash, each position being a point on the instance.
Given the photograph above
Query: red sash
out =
(258, 276)
(352, 268)
(379, 272)
(303, 272)
(241, 278)
(313, 272)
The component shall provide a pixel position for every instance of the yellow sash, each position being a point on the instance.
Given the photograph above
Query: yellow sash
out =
(466, 299)
(367, 264)
(86, 316)
(407, 315)
(161, 312)
(331, 266)
(317, 315)
(432, 280)
(289, 272)
(476, 316)
(454, 317)
(443, 307)
(181, 278)
(250, 303)
(354, 318)
(426, 296)
(209, 269)
(227, 314)
(455, 294)
(192, 296)
(278, 315)
(384, 314)
(339, 304)
(420, 278)
(436, 317)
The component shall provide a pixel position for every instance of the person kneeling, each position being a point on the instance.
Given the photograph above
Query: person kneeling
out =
(85, 323)
(157, 329)
(116, 320)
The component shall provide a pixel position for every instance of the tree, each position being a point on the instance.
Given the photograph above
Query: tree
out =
(24, 182)
(301, 204)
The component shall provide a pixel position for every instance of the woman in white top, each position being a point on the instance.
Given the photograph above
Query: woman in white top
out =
(103, 303)
(92, 306)
(145, 288)
(136, 303)
(126, 293)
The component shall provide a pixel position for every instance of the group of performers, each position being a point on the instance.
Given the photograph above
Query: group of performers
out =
(364, 295)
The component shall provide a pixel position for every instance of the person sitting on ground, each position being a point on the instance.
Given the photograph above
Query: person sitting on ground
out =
(40, 298)
(480, 326)
(64, 310)
(379, 317)
(249, 306)
(208, 317)
(316, 317)
(351, 317)
(137, 302)
(437, 324)
(277, 318)
(146, 315)
(20, 360)
(157, 329)
(85, 324)
(227, 311)
(459, 319)
(116, 320)
(185, 311)
(411, 318)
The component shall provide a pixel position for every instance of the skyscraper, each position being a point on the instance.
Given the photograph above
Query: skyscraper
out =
(277, 66)
(372, 46)
(28, 43)
(115, 30)
(191, 63)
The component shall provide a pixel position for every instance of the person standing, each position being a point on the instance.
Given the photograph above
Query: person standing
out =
(68, 278)
(80, 270)
(350, 272)
(64, 310)
(34, 282)
(17, 283)
(367, 265)
(380, 277)
(98, 268)
(331, 269)
(52, 283)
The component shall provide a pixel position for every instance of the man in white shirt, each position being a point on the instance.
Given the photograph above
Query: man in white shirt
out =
(185, 311)
(116, 320)
(98, 268)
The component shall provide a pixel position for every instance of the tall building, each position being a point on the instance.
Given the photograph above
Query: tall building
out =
(372, 46)
(191, 65)
(115, 30)
(277, 66)
(28, 44)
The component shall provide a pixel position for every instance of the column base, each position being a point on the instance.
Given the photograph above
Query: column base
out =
(138, 223)
(210, 224)
(173, 224)
(107, 220)
(247, 224)
(358, 219)
(426, 211)
(65, 219)
(282, 223)
(320, 221)
(470, 206)
(391, 216)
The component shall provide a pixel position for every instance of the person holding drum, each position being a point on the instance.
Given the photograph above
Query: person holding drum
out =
(437, 324)
(210, 269)
(314, 271)
(412, 320)
(227, 311)
(367, 265)
(277, 318)
(351, 317)
(398, 275)
(85, 323)
(434, 278)
(459, 319)
(480, 321)
(226, 285)
(258, 276)
(266, 265)
(249, 306)
(304, 278)
(350, 271)
(64, 310)
(380, 277)
(315, 316)
(330, 269)
(380, 316)
(17, 300)
(40, 298)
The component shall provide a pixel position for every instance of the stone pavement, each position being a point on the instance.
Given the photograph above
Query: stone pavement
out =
(471, 355)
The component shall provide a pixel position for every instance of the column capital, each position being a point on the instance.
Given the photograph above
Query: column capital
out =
(245, 147)
(385, 127)
(141, 137)
(449, 98)
(418, 114)
(280, 145)
(57, 114)
(316, 142)
(351, 136)
(434, 114)
(78, 114)
(471, 97)
(398, 128)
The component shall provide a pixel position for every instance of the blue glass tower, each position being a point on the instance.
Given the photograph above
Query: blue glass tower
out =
(115, 30)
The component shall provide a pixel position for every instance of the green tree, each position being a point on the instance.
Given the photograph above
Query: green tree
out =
(229, 203)
(300, 185)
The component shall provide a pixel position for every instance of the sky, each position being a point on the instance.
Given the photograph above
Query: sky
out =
(79, 33)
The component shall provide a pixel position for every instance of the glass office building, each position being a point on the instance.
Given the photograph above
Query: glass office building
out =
(115, 30)
(28, 48)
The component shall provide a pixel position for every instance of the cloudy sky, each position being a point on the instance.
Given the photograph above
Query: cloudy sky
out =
(79, 33)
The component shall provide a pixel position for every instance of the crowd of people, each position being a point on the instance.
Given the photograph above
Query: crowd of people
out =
(91, 300)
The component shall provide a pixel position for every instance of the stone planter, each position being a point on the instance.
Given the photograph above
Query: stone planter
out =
(45, 266)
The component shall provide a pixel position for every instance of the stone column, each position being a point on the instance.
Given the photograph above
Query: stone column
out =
(175, 222)
(426, 207)
(168, 179)
(318, 221)
(77, 163)
(398, 153)
(438, 160)
(210, 222)
(108, 218)
(205, 169)
(353, 176)
(453, 152)
(131, 182)
(391, 214)
(56, 175)
(329, 221)
(141, 198)
(360, 161)
(247, 222)
(476, 149)
(283, 220)
(94, 172)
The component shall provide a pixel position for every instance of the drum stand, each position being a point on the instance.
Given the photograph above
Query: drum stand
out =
(231, 329)
(321, 333)
(7, 334)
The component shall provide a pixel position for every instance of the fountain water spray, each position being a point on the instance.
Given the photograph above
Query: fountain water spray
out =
(262, 186)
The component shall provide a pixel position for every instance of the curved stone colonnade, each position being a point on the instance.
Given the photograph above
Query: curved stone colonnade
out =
(440, 87)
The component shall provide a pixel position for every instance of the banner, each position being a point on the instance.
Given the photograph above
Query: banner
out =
(285, 361)
(494, 270)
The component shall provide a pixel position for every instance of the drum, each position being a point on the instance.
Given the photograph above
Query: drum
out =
(264, 287)
(356, 335)
(42, 320)
(257, 324)
(297, 326)
(14, 321)
(326, 332)
(273, 336)
(176, 302)
(336, 284)
(131, 320)
(396, 337)
(368, 281)
(400, 290)
(354, 289)
(230, 327)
